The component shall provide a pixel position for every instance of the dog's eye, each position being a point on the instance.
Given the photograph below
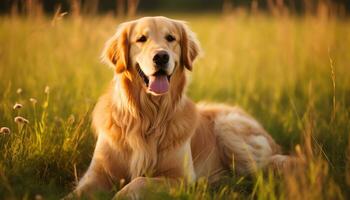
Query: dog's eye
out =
(142, 39)
(170, 38)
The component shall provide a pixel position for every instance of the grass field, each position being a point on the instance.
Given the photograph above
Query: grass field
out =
(291, 73)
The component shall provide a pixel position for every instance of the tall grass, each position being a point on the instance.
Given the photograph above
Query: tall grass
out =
(291, 73)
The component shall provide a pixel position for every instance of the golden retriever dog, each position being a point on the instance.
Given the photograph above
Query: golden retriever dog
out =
(147, 127)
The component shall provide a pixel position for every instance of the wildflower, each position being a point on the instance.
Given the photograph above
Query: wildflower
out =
(17, 106)
(19, 91)
(33, 100)
(5, 130)
(47, 90)
(20, 119)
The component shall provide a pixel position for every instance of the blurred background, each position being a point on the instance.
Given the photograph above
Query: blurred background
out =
(131, 7)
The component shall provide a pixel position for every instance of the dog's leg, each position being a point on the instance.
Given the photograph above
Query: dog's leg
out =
(135, 189)
(94, 180)
(132, 190)
(106, 168)
(174, 166)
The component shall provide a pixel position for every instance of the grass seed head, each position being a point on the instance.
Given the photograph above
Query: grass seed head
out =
(71, 119)
(17, 106)
(19, 91)
(47, 90)
(21, 120)
(5, 130)
(33, 100)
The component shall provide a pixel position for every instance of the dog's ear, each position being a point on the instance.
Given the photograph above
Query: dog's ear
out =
(116, 50)
(190, 47)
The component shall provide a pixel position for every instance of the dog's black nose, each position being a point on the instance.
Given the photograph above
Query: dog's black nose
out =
(161, 58)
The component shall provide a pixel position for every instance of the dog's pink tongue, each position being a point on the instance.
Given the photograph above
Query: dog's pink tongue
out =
(158, 84)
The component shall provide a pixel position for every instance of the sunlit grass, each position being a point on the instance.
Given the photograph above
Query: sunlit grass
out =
(291, 73)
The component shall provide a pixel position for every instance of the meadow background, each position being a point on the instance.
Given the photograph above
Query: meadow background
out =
(290, 71)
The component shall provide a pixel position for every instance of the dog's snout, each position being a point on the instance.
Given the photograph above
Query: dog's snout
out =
(161, 58)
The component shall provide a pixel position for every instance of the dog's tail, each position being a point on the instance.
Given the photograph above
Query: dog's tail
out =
(249, 157)
(246, 147)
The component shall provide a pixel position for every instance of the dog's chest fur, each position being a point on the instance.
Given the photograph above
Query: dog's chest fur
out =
(147, 136)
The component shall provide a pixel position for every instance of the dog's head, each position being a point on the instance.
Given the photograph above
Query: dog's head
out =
(153, 50)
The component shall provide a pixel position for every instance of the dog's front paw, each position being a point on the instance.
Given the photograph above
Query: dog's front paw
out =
(133, 190)
(71, 196)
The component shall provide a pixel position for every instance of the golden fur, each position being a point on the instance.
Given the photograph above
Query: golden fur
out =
(140, 133)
